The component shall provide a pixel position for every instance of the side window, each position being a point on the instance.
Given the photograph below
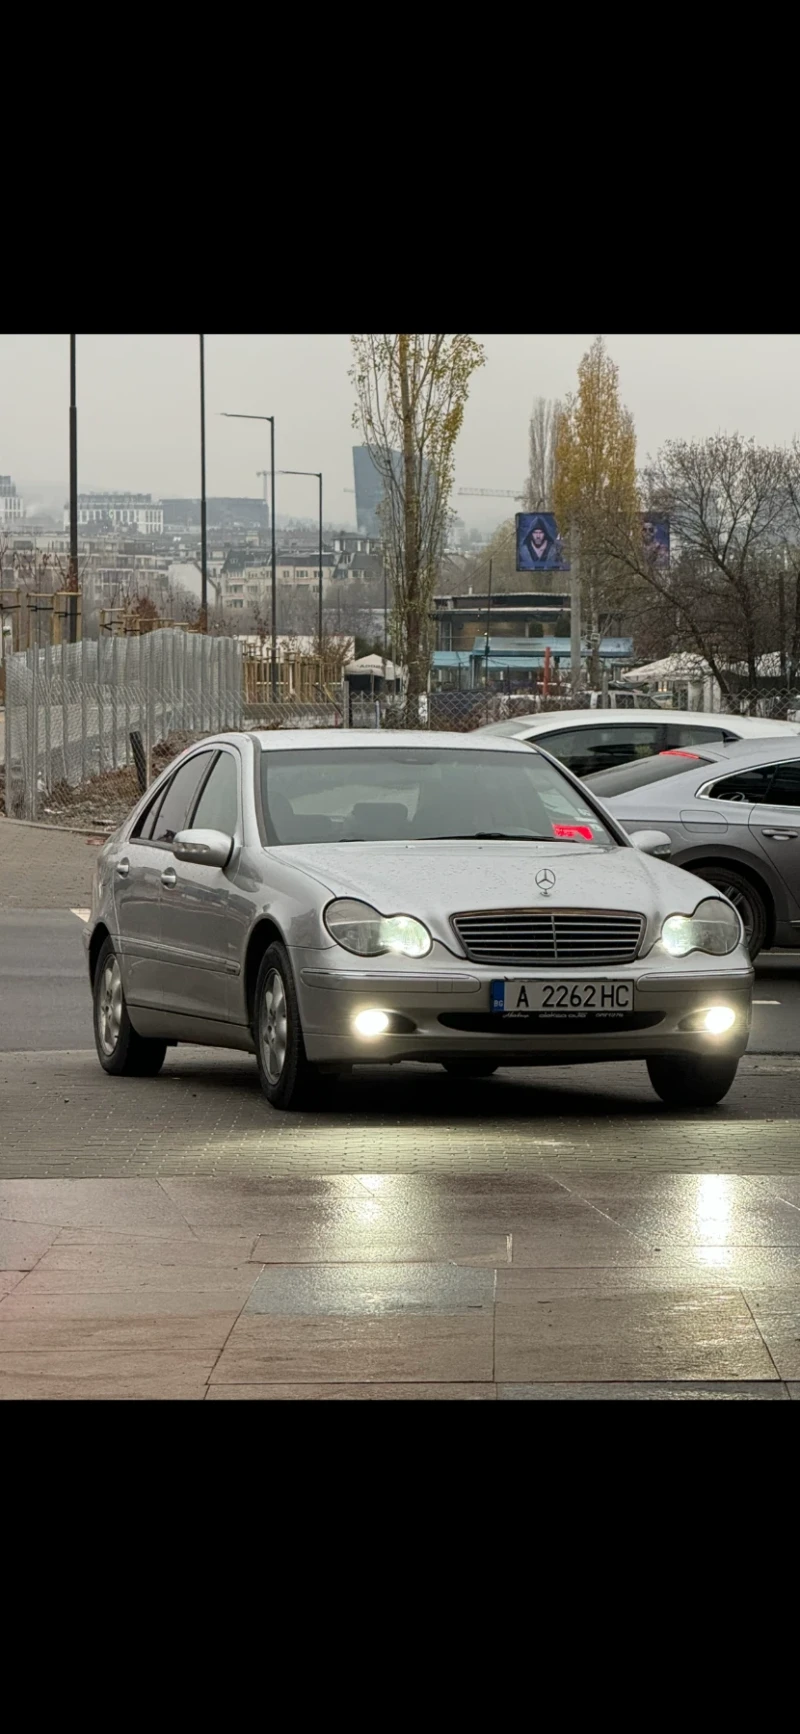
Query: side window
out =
(784, 789)
(688, 734)
(218, 806)
(172, 813)
(749, 787)
(601, 746)
(143, 830)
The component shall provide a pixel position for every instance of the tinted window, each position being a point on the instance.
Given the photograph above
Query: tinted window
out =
(602, 745)
(686, 734)
(784, 789)
(218, 807)
(180, 793)
(641, 772)
(144, 828)
(744, 786)
(374, 794)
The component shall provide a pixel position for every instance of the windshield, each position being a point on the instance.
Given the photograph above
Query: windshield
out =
(410, 794)
(639, 772)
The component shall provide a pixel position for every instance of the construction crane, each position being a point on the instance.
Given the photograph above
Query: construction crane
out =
(490, 494)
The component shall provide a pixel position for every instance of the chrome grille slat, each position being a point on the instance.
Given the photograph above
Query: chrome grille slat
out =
(541, 936)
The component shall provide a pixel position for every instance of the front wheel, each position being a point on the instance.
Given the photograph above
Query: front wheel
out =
(288, 1078)
(692, 1083)
(120, 1050)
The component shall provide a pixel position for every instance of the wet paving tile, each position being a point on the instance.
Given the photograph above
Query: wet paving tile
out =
(312, 1348)
(777, 1315)
(120, 1204)
(371, 1291)
(22, 1244)
(550, 1335)
(732, 1391)
(353, 1393)
(364, 1246)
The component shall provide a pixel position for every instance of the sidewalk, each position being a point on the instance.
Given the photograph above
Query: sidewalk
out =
(41, 868)
(179, 1240)
(396, 1287)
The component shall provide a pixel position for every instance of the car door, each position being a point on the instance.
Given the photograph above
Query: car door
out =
(601, 745)
(137, 904)
(200, 929)
(775, 824)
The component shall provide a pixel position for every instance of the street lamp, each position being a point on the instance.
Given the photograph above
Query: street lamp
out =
(318, 474)
(72, 618)
(231, 415)
(203, 504)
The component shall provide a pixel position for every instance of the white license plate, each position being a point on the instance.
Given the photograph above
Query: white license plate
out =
(561, 998)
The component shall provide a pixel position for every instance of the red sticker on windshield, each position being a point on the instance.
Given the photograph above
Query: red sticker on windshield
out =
(574, 831)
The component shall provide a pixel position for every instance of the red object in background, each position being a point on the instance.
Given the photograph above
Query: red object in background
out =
(584, 831)
(677, 753)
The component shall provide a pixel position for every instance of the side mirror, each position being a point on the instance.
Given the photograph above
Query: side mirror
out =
(652, 843)
(203, 848)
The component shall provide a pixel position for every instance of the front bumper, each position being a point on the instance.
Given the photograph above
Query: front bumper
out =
(444, 1012)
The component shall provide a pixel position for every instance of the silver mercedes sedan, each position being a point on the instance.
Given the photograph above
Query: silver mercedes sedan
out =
(328, 899)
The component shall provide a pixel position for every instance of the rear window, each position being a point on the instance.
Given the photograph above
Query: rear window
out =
(640, 772)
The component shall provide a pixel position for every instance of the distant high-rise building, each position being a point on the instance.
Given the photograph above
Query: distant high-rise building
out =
(12, 510)
(369, 489)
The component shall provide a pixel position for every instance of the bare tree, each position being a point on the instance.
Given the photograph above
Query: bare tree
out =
(543, 433)
(411, 390)
(729, 505)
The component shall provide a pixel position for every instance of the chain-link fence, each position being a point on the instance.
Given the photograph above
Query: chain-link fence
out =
(86, 722)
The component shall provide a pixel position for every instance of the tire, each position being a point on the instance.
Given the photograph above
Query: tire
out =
(692, 1083)
(288, 1078)
(469, 1068)
(745, 897)
(121, 1052)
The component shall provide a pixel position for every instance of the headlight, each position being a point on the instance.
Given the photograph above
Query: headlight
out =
(359, 928)
(714, 928)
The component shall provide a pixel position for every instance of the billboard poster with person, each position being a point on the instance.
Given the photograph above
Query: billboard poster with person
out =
(539, 546)
(655, 538)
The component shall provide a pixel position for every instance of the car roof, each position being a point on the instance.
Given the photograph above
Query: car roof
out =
(743, 725)
(738, 755)
(292, 740)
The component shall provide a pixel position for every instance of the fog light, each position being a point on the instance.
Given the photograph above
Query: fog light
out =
(371, 1023)
(718, 1019)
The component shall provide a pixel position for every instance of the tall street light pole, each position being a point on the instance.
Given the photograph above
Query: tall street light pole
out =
(203, 512)
(318, 474)
(72, 626)
(231, 415)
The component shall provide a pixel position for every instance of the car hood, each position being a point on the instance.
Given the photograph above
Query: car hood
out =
(436, 880)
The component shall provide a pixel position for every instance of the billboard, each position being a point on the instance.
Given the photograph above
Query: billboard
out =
(539, 547)
(655, 538)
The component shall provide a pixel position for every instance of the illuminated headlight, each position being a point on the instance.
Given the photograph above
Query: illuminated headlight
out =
(719, 1019)
(359, 928)
(714, 928)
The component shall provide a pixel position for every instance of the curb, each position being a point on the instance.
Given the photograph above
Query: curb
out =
(69, 830)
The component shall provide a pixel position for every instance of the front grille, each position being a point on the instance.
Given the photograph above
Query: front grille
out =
(540, 936)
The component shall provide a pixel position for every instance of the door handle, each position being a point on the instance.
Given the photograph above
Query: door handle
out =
(123, 869)
(781, 836)
(169, 878)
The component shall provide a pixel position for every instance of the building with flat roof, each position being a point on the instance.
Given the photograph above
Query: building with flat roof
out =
(119, 512)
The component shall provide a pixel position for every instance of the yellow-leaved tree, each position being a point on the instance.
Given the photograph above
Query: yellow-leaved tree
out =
(595, 474)
(411, 390)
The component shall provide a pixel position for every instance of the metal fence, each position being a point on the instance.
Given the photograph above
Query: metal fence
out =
(71, 712)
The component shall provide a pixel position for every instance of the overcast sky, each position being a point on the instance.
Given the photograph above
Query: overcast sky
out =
(138, 408)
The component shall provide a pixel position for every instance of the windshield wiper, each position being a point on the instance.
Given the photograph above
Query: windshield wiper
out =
(487, 836)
